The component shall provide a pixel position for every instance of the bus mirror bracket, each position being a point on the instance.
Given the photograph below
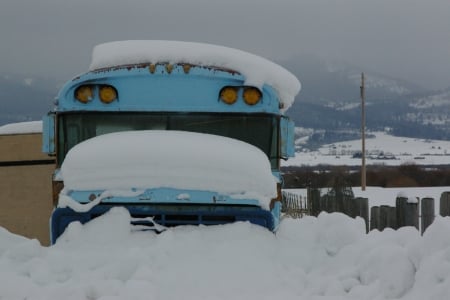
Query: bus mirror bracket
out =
(48, 133)
(287, 148)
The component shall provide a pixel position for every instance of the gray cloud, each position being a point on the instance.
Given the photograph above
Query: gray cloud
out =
(405, 38)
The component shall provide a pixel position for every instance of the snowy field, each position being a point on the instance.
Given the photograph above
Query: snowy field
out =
(384, 149)
(329, 257)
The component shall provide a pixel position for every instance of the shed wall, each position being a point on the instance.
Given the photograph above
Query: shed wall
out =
(25, 186)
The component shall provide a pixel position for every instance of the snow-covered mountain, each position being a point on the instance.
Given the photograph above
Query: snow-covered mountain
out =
(438, 100)
(339, 82)
(433, 109)
(330, 100)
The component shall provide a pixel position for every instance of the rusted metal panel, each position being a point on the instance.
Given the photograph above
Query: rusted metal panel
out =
(151, 66)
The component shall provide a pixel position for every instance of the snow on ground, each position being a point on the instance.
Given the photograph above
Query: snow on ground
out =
(329, 257)
(384, 149)
(256, 70)
(21, 128)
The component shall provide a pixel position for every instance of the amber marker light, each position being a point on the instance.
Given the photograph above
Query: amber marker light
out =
(84, 93)
(186, 68)
(251, 95)
(169, 68)
(152, 68)
(107, 94)
(229, 95)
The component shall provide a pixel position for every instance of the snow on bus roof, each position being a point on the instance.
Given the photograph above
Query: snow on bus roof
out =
(21, 128)
(256, 70)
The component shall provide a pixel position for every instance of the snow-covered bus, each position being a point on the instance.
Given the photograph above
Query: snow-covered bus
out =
(178, 133)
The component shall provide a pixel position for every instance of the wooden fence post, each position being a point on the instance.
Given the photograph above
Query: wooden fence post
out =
(391, 220)
(374, 217)
(383, 217)
(364, 210)
(357, 207)
(330, 204)
(323, 204)
(407, 212)
(350, 207)
(338, 201)
(427, 208)
(444, 208)
(310, 200)
(314, 200)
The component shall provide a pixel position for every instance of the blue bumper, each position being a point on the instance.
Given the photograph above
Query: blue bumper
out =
(168, 215)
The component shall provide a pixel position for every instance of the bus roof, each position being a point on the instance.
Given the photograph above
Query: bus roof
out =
(256, 70)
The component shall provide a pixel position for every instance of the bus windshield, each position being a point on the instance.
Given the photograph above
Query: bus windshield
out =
(260, 130)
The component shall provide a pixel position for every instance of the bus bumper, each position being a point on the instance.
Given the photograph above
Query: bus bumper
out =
(168, 216)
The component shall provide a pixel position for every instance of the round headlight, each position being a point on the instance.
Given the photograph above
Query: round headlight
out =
(251, 95)
(229, 94)
(107, 94)
(84, 93)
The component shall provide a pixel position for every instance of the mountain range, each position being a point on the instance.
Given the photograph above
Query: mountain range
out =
(330, 103)
(328, 106)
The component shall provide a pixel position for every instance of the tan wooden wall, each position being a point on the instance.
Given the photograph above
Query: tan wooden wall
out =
(25, 186)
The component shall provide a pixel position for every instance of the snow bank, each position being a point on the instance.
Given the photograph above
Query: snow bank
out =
(256, 70)
(21, 128)
(329, 257)
(171, 159)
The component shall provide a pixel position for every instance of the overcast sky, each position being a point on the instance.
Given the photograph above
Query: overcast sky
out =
(409, 39)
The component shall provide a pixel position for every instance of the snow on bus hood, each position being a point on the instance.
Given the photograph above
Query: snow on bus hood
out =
(256, 70)
(172, 159)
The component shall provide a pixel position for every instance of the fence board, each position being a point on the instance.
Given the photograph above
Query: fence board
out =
(407, 213)
(444, 208)
(427, 209)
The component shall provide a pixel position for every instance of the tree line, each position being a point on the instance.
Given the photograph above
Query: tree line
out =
(407, 175)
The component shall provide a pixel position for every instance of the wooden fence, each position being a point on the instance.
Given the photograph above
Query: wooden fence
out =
(339, 201)
(294, 205)
(406, 211)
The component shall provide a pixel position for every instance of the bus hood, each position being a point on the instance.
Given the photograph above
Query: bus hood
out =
(142, 160)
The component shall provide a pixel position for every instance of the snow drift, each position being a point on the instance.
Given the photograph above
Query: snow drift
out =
(329, 257)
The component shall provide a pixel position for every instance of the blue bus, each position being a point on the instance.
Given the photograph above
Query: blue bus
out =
(165, 86)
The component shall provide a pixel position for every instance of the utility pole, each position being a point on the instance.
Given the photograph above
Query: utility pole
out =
(363, 135)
